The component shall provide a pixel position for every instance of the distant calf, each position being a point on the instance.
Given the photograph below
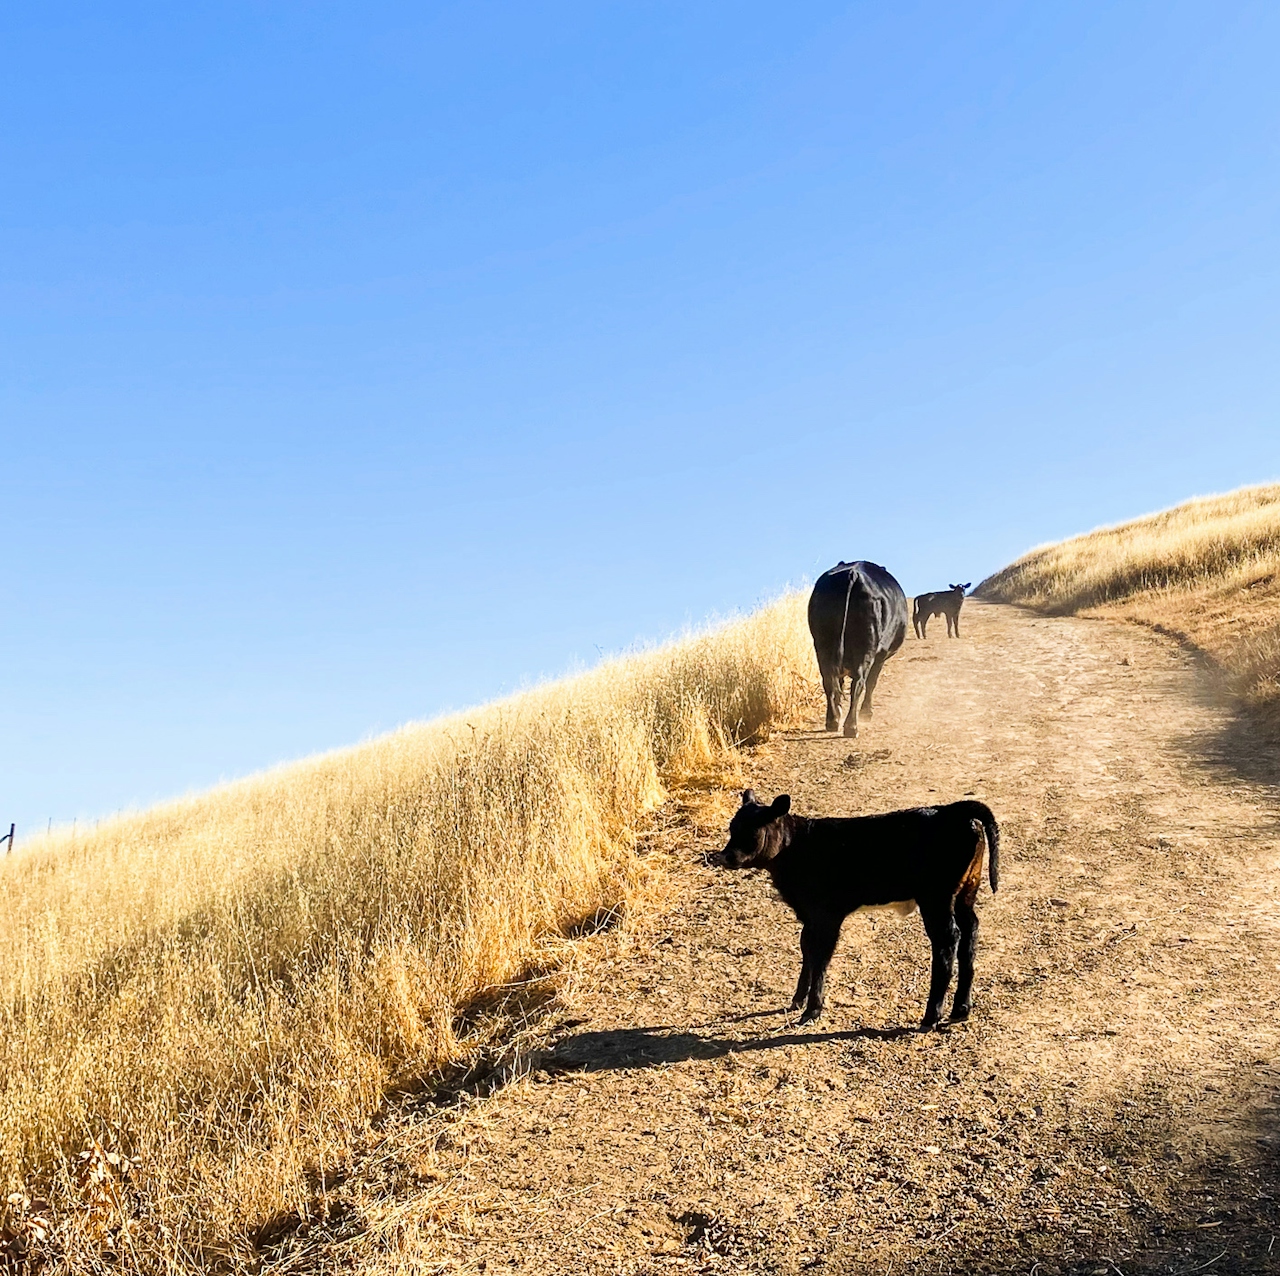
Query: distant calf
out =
(946, 602)
(929, 857)
(858, 619)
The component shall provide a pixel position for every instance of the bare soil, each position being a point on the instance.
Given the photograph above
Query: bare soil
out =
(1111, 1105)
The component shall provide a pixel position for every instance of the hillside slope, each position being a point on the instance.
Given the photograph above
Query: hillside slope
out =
(1111, 1106)
(1207, 571)
(202, 1006)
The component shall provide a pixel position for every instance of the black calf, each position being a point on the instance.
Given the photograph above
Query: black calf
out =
(946, 602)
(929, 857)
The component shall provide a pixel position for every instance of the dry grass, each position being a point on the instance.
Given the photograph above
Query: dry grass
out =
(1207, 571)
(225, 989)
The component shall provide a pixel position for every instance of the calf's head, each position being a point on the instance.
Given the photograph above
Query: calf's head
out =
(756, 833)
(959, 588)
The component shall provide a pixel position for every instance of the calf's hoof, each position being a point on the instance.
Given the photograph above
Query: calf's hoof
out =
(851, 731)
(930, 1021)
(796, 1004)
(832, 724)
(960, 1013)
(810, 1015)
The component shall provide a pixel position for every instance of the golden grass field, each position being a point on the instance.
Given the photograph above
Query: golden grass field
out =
(204, 1003)
(1207, 571)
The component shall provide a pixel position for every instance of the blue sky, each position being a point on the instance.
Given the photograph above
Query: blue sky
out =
(358, 362)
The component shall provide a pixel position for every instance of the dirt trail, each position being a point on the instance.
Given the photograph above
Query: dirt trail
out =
(1112, 1103)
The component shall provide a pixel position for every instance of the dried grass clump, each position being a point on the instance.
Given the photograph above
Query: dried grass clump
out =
(1207, 571)
(205, 1002)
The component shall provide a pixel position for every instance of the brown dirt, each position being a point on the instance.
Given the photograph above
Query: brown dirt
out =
(1112, 1105)
(1234, 625)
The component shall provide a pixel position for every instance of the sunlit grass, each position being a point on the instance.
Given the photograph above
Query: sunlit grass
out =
(226, 987)
(1207, 570)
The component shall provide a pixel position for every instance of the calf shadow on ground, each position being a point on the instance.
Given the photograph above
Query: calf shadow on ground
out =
(622, 1049)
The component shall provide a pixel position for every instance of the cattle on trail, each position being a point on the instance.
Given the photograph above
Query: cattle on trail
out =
(946, 602)
(858, 619)
(929, 858)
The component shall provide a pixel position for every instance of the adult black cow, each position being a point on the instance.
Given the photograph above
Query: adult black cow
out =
(858, 619)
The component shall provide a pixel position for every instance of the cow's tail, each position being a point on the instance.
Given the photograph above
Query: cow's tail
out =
(839, 669)
(985, 823)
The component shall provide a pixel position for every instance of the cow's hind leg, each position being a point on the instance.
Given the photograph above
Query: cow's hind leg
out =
(857, 691)
(817, 943)
(872, 678)
(940, 926)
(857, 686)
(967, 919)
(831, 686)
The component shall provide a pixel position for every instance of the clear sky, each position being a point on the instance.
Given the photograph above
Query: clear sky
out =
(358, 362)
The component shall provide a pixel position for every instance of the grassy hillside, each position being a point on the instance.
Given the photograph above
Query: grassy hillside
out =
(1207, 571)
(200, 1004)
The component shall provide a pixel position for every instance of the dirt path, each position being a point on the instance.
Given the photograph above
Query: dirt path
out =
(1110, 1104)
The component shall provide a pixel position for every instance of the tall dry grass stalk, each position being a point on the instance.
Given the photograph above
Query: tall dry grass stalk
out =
(226, 987)
(1207, 571)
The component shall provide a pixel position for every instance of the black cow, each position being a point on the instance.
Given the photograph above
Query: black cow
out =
(858, 619)
(929, 857)
(946, 602)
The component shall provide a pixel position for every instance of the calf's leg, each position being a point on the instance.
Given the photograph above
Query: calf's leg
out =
(967, 918)
(940, 926)
(817, 943)
(802, 985)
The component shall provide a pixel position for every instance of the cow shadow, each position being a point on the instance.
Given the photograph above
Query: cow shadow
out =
(625, 1049)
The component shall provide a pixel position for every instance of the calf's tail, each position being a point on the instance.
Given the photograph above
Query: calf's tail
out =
(985, 822)
(992, 830)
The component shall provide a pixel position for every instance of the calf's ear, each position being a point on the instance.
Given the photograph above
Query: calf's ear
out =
(781, 805)
(748, 796)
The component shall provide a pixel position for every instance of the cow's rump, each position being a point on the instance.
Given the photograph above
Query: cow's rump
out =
(858, 619)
